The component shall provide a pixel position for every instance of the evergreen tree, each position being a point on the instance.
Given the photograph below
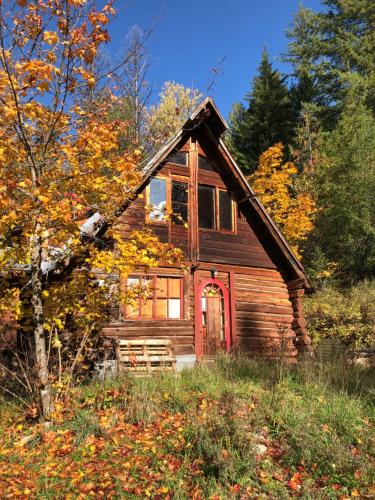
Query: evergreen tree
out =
(344, 238)
(268, 118)
(332, 50)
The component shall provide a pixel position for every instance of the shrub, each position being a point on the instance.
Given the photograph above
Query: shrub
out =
(345, 314)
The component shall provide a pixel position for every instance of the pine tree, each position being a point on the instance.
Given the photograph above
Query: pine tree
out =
(332, 50)
(344, 238)
(267, 119)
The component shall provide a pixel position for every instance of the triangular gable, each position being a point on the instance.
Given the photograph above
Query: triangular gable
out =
(208, 117)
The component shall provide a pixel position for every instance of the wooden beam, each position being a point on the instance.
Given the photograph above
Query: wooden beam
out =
(233, 319)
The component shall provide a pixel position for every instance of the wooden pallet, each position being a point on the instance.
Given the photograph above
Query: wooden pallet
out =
(145, 356)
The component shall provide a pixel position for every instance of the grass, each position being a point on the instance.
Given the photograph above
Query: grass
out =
(238, 429)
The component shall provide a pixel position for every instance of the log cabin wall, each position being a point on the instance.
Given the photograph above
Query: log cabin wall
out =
(264, 315)
(8, 333)
(239, 247)
(180, 331)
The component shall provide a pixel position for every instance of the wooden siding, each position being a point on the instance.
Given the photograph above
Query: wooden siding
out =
(8, 333)
(179, 331)
(264, 313)
(241, 247)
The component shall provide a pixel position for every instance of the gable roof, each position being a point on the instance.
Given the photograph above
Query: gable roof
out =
(208, 116)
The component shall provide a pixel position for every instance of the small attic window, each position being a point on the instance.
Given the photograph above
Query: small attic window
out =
(204, 164)
(178, 158)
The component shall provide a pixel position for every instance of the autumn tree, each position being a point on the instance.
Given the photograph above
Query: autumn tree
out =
(275, 183)
(134, 91)
(175, 105)
(60, 163)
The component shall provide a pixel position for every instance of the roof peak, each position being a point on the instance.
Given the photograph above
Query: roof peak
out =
(211, 114)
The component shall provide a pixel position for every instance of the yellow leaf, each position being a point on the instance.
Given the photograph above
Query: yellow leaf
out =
(50, 37)
(43, 86)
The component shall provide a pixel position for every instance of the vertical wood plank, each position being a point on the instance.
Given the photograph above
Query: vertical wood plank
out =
(193, 203)
(233, 319)
(198, 340)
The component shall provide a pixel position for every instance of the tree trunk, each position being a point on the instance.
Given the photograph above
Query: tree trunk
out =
(38, 320)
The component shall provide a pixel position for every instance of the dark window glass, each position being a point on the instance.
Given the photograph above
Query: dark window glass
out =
(225, 211)
(206, 207)
(179, 202)
(179, 192)
(180, 213)
(204, 164)
(178, 157)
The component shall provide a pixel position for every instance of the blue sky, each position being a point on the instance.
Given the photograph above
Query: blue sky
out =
(189, 38)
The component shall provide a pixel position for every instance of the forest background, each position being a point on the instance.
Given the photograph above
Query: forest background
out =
(76, 126)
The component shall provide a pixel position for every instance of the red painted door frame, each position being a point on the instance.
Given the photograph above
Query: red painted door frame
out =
(198, 290)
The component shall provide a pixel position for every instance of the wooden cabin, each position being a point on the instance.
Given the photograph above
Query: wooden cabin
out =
(240, 286)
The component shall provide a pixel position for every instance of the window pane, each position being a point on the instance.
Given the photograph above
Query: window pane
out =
(178, 157)
(179, 191)
(204, 304)
(204, 164)
(158, 198)
(204, 318)
(206, 207)
(132, 282)
(225, 210)
(180, 213)
(162, 287)
(161, 308)
(179, 202)
(174, 308)
(132, 310)
(174, 288)
(146, 308)
(147, 288)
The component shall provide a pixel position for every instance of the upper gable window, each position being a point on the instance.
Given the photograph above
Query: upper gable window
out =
(206, 207)
(204, 164)
(225, 211)
(158, 199)
(178, 158)
(215, 209)
(179, 198)
(167, 200)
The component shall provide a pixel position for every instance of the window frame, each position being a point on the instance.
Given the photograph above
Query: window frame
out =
(168, 179)
(181, 180)
(148, 203)
(186, 153)
(217, 227)
(153, 278)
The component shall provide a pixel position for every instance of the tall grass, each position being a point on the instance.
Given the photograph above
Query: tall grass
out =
(311, 419)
